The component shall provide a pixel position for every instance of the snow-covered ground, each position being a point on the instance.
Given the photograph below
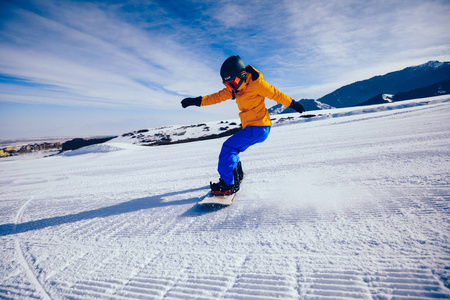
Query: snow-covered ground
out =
(352, 204)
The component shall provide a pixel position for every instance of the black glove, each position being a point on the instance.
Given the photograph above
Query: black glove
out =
(297, 106)
(191, 101)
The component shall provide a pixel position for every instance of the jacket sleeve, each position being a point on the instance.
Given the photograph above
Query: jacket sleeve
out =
(269, 91)
(218, 97)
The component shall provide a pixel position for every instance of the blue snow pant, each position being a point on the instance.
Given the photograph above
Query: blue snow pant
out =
(237, 143)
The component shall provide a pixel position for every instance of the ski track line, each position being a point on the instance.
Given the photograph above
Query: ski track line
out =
(20, 254)
(310, 280)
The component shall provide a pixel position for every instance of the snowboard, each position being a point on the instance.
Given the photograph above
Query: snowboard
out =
(211, 200)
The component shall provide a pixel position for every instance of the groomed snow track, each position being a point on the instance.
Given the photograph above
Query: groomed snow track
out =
(345, 207)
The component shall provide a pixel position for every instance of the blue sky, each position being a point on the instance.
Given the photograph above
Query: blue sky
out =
(78, 68)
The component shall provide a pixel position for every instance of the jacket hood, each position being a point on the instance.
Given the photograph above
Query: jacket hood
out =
(255, 73)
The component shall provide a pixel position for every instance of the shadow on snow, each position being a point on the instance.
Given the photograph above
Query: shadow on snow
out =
(121, 208)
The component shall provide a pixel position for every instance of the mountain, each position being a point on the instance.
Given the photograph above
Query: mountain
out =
(440, 88)
(392, 83)
(437, 89)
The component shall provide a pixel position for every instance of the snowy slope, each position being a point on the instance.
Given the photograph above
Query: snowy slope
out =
(350, 204)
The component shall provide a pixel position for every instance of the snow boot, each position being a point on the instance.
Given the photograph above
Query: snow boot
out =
(237, 179)
(240, 172)
(222, 189)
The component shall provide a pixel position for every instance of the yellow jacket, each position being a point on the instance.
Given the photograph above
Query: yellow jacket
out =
(250, 99)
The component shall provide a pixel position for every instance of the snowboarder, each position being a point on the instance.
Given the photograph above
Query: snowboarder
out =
(246, 85)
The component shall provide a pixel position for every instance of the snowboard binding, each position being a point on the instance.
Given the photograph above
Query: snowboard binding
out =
(222, 189)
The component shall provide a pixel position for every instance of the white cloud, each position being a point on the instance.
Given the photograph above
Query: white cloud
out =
(233, 15)
(96, 58)
(100, 54)
(344, 41)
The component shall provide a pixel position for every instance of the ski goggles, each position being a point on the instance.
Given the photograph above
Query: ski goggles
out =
(236, 82)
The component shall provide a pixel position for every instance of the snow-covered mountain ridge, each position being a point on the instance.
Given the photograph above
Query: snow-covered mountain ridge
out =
(391, 83)
(174, 134)
(406, 83)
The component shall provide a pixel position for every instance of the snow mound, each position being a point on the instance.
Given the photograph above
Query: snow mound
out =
(95, 149)
(388, 97)
(174, 134)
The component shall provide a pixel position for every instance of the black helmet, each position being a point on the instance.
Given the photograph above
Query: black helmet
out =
(233, 70)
